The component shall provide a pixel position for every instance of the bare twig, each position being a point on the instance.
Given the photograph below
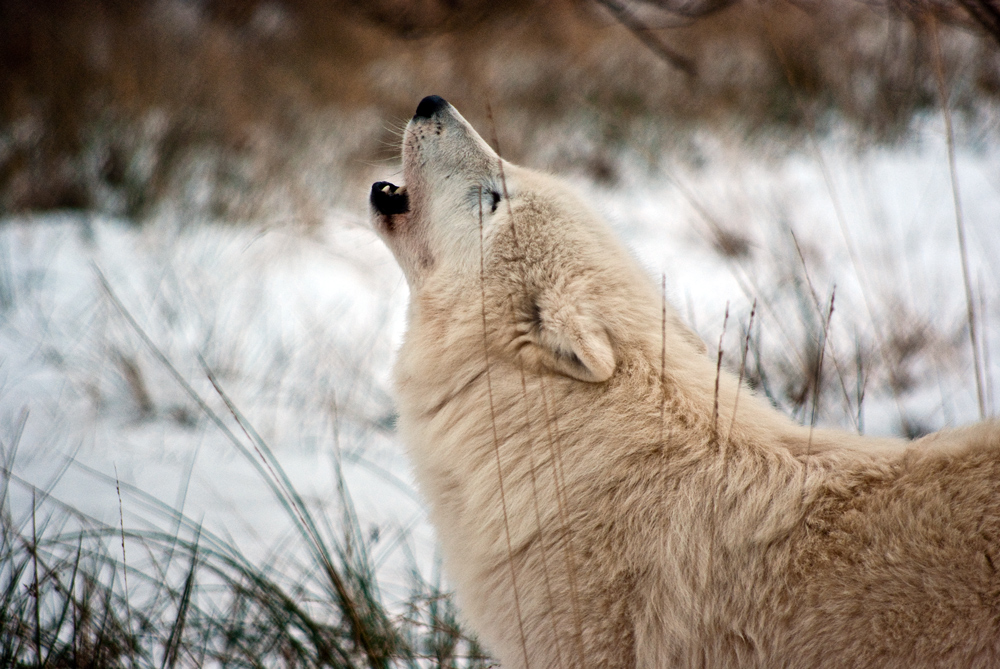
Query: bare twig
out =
(646, 36)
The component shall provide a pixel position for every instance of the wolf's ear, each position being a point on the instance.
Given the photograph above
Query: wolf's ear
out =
(574, 343)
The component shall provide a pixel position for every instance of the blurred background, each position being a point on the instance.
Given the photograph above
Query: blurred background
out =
(197, 323)
(121, 107)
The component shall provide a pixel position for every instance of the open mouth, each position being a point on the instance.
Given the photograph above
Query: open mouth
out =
(389, 199)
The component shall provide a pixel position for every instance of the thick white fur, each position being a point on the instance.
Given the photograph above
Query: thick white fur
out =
(625, 525)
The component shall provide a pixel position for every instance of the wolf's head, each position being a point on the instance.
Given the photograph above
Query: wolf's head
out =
(480, 239)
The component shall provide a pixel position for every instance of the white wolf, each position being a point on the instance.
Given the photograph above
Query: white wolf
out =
(596, 509)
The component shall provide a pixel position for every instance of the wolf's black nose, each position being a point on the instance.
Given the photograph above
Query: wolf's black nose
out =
(429, 106)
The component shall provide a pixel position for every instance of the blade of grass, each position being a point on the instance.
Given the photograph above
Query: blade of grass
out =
(68, 602)
(718, 375)
(743, 367)
(172, 649)
(272, 475)
(121, 520)
(300, 512)
(9, 453)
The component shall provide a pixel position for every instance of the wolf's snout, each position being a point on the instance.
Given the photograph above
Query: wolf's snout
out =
(430, 106)
(389, 199)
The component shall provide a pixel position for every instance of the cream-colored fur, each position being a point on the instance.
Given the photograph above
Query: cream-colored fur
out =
(626, 526)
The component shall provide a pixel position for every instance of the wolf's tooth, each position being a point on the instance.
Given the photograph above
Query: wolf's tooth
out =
(385, 189)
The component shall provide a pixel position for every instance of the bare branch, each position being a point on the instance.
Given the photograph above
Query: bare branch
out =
(647, 37)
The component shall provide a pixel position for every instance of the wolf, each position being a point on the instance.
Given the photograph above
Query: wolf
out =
(604, 496)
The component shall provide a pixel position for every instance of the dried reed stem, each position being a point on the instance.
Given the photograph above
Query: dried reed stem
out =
(121, 525)
(538, 511)
(718, 374)
(819, 312)
(663, 355)
(970, 304)
(743, 367)
(496, 438)
(817, 384)
(552, 427)
(984, 339)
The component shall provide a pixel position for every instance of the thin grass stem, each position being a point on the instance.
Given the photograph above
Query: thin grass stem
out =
(963, 252)
(496, 438)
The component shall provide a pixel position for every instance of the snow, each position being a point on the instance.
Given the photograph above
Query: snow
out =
(878, 227)
(300, 329)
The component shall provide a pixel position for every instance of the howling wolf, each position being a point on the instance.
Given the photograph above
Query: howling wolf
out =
(603, 500)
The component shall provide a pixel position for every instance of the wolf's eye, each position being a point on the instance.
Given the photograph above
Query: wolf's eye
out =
(496, 200)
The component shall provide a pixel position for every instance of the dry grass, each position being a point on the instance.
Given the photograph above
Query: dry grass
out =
(167, 590)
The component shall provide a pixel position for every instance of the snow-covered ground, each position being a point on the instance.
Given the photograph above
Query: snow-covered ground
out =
(300, 329)
(876, 230)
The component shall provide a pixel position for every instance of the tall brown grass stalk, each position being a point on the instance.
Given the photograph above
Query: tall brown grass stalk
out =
(963, 252)
(496, 438)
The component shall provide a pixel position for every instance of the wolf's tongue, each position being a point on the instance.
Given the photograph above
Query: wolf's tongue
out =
(389, 199)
